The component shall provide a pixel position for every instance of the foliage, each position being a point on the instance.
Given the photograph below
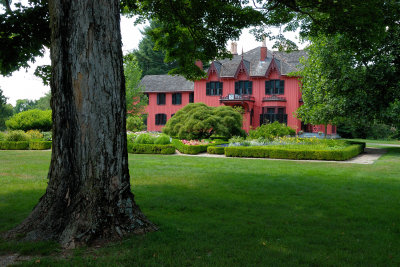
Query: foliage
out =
(151, 61)
(144, 138)
(17, 135)
(39, 145)
(134, 123)
(31, 119)
(151, 148)
(195, 142)
(14, 145)
(34, 134)
(43, 103)
(47, 136)
(271, 131)
(2, 136)
(199, 121)
(5, 110)
(299, 152)
(163, 140)
(189, 149)
(135, 99)
(219, 150)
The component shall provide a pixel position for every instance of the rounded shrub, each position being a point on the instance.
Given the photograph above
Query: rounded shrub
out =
(162, 140)
(47, 136)
(134, 123)
(34, 134)
(17, 136)
(271, 131)
(144, 139)
(31, 119)
(2, 136)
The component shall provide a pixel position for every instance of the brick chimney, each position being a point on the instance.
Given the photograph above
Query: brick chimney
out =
(199, 64)
(234, 48)
(263, 51)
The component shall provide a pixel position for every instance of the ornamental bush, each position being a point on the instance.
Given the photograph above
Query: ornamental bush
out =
(34, 134)
(163, 140)
(31, 119)
(16, 136)
(271, 131)
(144, 138)
(39, 145)
(2, 136)
(135, 124)
(199, 121)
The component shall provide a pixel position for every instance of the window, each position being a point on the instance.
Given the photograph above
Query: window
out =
(214, 88)
(161, 119)
(274, 87)
(244, 88)
(272, 114)
(191, 98)
(161, 99)
(176, 99)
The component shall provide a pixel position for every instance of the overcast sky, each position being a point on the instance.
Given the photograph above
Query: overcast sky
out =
(24, 85)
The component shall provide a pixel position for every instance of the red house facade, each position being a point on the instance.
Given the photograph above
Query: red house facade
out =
(257, 80)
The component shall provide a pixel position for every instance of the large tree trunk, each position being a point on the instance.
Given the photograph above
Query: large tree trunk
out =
(88, 196)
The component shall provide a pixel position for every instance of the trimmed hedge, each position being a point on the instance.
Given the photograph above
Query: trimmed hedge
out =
(281, 153)
(39, 145)
(220, 150)
(187, 149)
(150, 149)
(11, 145)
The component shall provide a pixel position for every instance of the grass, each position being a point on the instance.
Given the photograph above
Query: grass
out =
(372, 141)
(231, 212)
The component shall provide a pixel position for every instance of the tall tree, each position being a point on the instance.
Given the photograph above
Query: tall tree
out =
(6, 110)
(88, 194)
(151, 61)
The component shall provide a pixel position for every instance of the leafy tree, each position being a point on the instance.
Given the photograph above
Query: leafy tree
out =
(151, 61)
(31, 120)
(6, 110)
(23, 105)
(199, 121)
(135, 123)
(135, 99)
(43, 103)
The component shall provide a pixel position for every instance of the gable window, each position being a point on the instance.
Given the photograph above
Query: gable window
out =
(244, 88)
(161, 99)
(176, 99)
(275, 87)
(161, 119)
(214, 88)
(191, 98)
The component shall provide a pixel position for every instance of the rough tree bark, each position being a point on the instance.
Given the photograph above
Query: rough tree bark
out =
(88, 195)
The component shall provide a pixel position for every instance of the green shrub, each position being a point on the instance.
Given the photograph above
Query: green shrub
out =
(135, 124)
(271, 131)
(289, 153)
(39, 145)
(163, 140)
(220, 150)
(189, 149)
(150, 149)
(144, 139)
(11, 145)
(31, 119)
(34, 134)
(47, 136)
(2, 136)
(16, 136)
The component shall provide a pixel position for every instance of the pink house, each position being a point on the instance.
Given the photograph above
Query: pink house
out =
(257, 80)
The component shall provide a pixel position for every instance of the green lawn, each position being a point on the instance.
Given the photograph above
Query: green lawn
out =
(372, 141)
(232, 212)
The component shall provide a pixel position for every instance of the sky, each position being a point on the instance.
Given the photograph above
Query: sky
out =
(24, 85)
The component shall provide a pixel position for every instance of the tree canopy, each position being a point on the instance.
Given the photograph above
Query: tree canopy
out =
(6, 110)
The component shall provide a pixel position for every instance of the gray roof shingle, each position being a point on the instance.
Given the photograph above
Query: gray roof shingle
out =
(166, 83)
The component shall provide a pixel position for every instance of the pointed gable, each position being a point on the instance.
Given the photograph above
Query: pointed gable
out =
(243, 68)
(273, 66)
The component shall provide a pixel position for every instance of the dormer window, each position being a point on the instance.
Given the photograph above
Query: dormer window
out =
(275, 87)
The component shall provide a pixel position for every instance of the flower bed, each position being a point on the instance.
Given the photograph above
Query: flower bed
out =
(192, 149)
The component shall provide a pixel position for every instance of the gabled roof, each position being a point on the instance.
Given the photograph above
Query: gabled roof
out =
(166, 83)
(286, 62)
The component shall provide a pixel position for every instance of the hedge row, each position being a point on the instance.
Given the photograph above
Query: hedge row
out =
(216, 150)
(25, 145)
(150, 149)
(282, 153)
(188, 149)
(39, 145)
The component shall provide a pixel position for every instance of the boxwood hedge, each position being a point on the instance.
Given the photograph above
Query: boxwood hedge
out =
(39, 145)
(12, 145)
(283, 153)
(216, 150)
(150, 149)
(189, 149)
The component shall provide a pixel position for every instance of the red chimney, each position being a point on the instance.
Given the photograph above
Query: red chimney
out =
(199, 64)
(263, 51)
